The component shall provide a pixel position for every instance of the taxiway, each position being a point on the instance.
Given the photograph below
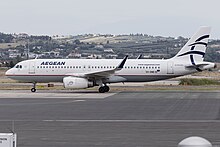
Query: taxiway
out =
(117, 119)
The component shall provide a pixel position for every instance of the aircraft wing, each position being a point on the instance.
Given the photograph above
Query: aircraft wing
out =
(103, 73)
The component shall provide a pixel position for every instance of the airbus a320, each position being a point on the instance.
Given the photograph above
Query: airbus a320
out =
(85, 73)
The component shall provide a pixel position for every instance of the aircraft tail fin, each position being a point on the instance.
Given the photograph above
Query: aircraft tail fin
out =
(194, 50)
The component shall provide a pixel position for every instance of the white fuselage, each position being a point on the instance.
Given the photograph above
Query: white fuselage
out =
(134, 70)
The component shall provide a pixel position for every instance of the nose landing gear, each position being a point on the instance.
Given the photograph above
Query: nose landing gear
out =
(34, 87)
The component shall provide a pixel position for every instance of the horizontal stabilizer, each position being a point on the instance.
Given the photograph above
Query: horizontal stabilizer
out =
(202, 66)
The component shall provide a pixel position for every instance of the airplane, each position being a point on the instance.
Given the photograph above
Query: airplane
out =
(85, 73)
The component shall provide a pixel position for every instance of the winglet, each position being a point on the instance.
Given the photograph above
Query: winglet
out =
(139, 57)
(121, 65)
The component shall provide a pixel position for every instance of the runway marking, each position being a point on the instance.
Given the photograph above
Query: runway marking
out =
(119, 121)
(137, 121)
(42, 103)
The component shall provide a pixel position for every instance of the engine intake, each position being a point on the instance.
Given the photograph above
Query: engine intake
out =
(76, 83)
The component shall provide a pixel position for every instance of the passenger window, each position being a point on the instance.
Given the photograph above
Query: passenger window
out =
(20, 66)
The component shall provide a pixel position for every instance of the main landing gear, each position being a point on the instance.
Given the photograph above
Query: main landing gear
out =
(34, 87)
(104, 89)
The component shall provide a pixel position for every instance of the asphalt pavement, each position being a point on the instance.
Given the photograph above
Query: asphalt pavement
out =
(120, 119)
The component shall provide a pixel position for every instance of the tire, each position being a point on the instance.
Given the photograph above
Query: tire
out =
(101, 90)
(33, 89)
(106, 88)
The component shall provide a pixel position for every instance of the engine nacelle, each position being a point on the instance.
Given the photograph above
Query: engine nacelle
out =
(76, 83)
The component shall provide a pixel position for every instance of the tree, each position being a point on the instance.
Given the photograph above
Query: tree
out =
(11, 64)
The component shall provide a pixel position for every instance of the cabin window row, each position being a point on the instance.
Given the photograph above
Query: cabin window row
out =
(143, 67)
(73, 67)
(95, 67)
(59, 67)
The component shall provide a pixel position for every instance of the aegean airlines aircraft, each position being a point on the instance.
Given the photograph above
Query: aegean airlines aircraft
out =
(85, 73)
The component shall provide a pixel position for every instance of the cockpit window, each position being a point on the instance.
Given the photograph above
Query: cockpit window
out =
(18, 66)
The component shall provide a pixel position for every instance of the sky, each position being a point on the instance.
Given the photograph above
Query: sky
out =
(72, 17)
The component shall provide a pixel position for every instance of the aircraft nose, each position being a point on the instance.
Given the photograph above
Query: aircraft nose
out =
(8, 72)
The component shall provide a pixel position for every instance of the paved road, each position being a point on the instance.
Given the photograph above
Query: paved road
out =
(131, 119)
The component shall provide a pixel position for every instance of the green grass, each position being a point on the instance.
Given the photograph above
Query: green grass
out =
(198, 82)
(3, 68)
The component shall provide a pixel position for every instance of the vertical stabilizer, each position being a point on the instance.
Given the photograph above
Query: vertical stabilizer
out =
(194, 50)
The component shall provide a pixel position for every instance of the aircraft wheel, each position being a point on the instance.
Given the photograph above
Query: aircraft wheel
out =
(33, 89)
(101, 89)
(106, 88)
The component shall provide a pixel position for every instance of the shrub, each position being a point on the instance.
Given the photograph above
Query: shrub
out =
(197, 82)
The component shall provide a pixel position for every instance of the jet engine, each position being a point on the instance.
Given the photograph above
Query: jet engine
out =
(77, 83)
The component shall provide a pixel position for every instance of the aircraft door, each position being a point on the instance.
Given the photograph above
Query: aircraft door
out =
(170, 69)
(32, 67)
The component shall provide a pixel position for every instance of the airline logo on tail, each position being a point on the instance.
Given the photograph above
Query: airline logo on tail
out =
(192, 49)
(193, 45)
(194, 52)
